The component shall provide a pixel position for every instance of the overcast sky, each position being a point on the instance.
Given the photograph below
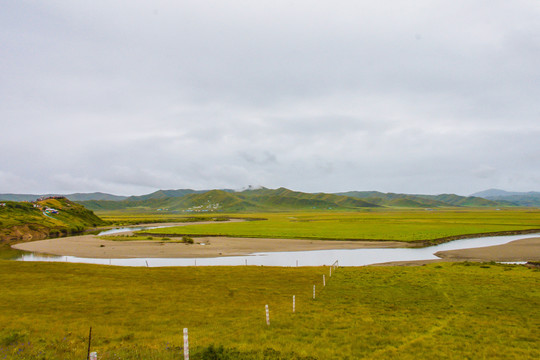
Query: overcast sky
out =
(131, 96)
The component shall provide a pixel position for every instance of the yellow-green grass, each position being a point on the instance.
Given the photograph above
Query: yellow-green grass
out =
(136, 216)
(448, 311)
(400, 225)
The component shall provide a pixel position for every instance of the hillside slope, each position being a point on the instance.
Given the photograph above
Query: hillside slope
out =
(24, 221)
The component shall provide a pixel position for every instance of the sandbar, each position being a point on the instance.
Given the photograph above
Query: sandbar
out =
(90, 246)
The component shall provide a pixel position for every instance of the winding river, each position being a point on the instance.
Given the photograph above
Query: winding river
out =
(346, 257)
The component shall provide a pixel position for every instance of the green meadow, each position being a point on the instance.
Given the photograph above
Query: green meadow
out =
(400, 225)
(447, 311)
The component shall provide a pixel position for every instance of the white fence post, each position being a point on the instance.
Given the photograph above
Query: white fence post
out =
(267, 315)
(323, 281)
(313, 291)
(186, 345)
(293, 303)
(330, 271)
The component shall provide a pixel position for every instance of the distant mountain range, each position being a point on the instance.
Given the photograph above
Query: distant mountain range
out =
(72, 197)
(263, 199)
(531, 198)
(232, 201)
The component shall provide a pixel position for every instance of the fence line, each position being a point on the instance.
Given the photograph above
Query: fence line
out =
(334, 266)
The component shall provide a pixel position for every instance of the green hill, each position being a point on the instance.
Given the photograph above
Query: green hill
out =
(25, 221)
(281, 199)
(227, 201)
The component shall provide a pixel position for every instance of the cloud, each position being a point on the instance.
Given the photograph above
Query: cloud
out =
(407, 97)
(484, 171)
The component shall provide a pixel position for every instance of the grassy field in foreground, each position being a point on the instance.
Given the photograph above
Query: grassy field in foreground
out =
(448, 311)
(401, 225)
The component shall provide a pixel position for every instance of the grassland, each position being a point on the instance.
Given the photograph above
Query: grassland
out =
(447, 311)
(400, 225)
(135, 216)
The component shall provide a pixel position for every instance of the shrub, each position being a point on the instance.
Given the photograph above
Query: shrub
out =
(187, 239)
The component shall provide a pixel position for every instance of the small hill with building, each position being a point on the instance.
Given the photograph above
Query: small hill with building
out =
(43, 218)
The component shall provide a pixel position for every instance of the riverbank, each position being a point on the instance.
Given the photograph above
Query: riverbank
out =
(514, 251)
(91, 246)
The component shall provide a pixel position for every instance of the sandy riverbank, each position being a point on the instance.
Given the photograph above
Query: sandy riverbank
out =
(518, 250)
(514, 251)
(93, 247)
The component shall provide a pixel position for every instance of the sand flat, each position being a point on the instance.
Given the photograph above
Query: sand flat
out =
(93, 247)
(514, 251)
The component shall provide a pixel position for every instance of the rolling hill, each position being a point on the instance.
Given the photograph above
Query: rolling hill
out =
(281, 199)
(248, 200)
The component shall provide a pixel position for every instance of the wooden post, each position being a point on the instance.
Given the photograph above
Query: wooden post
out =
(267, 315)
(146, 263)
(313, 291)
(330, 271)
(89, 343)
(246, 262)
(323, 281)
(186, 344)
(293, 303)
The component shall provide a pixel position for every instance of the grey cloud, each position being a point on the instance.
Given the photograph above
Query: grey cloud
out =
(392, 96)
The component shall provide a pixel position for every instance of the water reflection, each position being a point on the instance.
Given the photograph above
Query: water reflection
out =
(126, 229)
(8, 253)
(358, 257)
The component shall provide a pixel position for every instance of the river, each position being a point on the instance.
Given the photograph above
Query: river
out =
(347, 257)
